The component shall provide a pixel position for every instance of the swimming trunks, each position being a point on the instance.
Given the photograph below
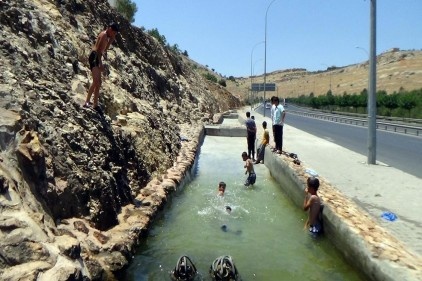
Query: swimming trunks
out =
(251, 179)
(94, 60)
(315, 230)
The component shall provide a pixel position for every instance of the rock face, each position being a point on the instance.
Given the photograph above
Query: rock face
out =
(78, 189)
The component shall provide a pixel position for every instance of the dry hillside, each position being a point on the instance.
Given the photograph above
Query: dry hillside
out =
(395, 70)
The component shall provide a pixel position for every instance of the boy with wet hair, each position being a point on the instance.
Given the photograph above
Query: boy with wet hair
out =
(312, 202)
(221, 188)
(249, 169)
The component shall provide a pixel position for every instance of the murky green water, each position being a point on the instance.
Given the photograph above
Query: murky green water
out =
(265, 233)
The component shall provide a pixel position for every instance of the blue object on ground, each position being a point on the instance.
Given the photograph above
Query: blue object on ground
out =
(389, 216)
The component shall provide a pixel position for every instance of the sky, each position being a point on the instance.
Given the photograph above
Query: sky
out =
(228, 35)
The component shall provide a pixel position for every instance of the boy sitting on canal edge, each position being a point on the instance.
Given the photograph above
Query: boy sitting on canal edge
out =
(249, 169)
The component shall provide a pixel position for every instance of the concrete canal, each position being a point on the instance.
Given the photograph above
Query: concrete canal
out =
(264, 235)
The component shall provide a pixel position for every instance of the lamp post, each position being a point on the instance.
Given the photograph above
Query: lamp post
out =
(372, 104)
(366, 52)
(372, 110)
(265, 53)
(253, 71)
(363, 49)
(329, 73)
(251, 64)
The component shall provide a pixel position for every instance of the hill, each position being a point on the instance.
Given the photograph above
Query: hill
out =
(396, 70)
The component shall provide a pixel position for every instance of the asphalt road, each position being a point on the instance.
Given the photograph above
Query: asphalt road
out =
(403, 152)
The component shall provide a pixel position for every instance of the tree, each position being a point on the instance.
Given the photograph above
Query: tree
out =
(355, 101)
(156, 34)
(175, 48)
(127, 8)
(407, 101)
(390, 102)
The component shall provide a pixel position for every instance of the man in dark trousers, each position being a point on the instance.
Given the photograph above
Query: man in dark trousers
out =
(278, 123)
(251, 135)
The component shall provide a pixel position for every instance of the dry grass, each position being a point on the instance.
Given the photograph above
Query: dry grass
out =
(395, 71)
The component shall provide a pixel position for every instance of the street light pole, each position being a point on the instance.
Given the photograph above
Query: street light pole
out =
(253, 70)
(372, 112)
(366, 52)
(251, 65)
(265, 52)
(363, 49)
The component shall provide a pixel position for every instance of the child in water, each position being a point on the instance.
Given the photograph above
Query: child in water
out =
(221, 188)
(249, 169)
(312, 203)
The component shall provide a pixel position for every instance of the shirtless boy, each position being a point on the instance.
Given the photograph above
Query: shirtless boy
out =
(103, 42)
(249, 169)
(312, 203)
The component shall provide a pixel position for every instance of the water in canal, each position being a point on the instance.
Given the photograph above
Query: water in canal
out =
(265, 235)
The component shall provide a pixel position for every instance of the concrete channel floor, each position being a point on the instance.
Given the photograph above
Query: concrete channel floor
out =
(374, 188)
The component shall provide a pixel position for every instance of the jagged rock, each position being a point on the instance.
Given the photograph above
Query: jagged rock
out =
(114, 261)
(68, 172)
(95, 269)
(101, 237)
(26, 271)
(4, 184)
(68, 246)
(8, 224)
(23, 252)
(80, 226)
(64, 270)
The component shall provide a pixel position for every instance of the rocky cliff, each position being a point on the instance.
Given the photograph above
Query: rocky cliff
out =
(79, 188)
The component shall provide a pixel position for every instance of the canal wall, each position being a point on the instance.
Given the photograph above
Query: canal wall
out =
(354, 248)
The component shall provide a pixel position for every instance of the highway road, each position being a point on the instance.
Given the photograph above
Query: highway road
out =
(403, 152)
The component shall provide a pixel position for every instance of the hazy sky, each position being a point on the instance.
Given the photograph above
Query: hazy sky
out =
(226, 35)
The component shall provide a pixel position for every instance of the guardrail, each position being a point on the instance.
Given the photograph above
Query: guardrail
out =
(386, 126)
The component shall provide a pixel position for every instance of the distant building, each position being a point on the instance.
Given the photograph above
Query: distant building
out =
(392, 50)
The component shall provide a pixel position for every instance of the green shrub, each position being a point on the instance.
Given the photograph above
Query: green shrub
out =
(222, 82)
(210, 77)
(127, 8)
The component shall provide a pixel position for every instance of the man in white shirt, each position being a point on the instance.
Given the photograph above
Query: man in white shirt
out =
(277, 117)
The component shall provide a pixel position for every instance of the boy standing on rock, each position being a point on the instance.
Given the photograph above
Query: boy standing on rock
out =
(103, 42)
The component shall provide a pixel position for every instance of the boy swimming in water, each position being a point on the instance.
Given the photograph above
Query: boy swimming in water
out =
(249, 169)
(221, 188)
(312, 203)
